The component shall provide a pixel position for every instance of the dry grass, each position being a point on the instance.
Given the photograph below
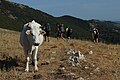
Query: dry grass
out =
(103, 64)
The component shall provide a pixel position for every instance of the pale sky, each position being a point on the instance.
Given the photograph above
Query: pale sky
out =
(84, 9)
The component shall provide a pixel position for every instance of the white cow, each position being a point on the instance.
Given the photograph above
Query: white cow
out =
(31, 38)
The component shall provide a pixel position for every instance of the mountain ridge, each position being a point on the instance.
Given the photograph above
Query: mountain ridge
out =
(13, 16)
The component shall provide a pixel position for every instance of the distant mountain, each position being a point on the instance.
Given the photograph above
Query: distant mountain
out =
(117, 21)
(13, 16)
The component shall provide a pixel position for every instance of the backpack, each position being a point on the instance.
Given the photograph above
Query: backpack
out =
(71, 30)
(47, 28)
(95, 32)
(62, 29)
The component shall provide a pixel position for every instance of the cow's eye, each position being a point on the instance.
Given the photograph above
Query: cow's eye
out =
(31, 33)
(40, 26)
(29, 28)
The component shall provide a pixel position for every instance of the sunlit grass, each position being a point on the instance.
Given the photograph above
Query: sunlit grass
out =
(105, 57)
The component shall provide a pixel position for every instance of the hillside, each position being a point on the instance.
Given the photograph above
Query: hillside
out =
(102, 61)
(13, 16)
(109, 31)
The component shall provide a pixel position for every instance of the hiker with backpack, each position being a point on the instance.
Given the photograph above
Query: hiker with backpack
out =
(94, 31)
(95, 35)
(68, 32)
(47, 29)
(60, 31)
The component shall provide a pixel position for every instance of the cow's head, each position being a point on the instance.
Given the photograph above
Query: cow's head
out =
(34, 32)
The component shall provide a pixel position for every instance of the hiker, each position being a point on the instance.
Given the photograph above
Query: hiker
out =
(95, 35)
(60, 31)
(68, 32)
(47, 29)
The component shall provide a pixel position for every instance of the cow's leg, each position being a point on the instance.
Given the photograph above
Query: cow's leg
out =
(32, 56)
(27, 61)
(27, 64)
(35, 59)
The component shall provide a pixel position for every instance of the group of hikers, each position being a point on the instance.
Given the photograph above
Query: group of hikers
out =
(62, 31)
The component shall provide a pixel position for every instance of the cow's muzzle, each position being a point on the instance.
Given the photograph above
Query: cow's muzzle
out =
(36, 44)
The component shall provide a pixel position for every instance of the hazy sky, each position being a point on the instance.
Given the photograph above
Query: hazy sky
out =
(84, 9)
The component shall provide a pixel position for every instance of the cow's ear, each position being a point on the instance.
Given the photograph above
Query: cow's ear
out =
(42, 32)
(28, 32)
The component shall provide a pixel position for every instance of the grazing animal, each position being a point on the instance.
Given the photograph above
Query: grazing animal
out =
(31, 38)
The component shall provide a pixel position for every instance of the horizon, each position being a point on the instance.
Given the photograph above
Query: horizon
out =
(87, 10)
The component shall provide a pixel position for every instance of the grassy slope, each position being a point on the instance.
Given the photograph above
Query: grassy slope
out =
(106, 59)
